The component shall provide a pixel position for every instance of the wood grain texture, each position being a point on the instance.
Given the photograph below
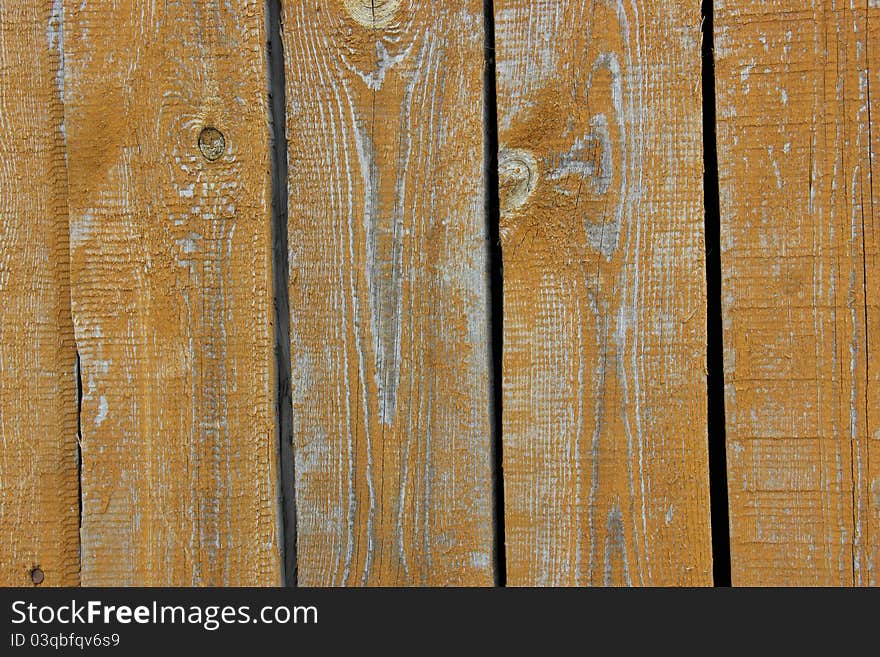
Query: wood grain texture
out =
(605, 445)
(796, 146)
(171, 287)
(388, 292)
(39, 525)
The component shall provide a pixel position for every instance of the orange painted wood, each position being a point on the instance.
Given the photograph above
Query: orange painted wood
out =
(39, 525)
(605, 429)
(172, 294)
(798, 85)
(388, 292)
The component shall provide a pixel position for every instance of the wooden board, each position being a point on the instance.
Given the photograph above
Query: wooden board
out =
(802, 287)
(39, 515)
(605, 438)
(172, 292)
(388, 292)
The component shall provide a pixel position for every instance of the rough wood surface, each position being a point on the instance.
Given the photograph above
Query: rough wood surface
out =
(171, 287)
(388, 292)
(605, 446)
(39, 526)
(802, 287)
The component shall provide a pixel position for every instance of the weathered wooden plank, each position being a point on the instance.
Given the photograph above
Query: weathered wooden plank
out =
(388, 292)
(39, 513)
(171, 288)
(801, 287)
(605, 446)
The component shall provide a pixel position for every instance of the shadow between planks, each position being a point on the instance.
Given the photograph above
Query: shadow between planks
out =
(417, 295)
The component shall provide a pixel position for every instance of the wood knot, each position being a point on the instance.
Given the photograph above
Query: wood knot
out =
(212, 144)
(374, 14)
(517, 178)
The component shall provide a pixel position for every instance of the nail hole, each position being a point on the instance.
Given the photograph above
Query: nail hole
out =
(211, 143)
(37, 575)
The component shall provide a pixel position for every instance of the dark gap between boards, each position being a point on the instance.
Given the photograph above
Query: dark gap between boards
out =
(280, 277)
(496, 289)
(714, 325)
